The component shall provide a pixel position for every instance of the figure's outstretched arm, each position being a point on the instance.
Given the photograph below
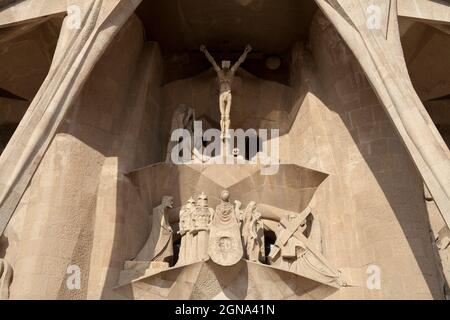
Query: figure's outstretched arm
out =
(209, 57)
(241, 60)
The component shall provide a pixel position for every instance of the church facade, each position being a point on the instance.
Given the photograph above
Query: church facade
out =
(304, 157)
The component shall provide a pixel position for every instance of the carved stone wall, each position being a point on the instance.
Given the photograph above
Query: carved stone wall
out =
(372, 206)
(56, 221)
(90, 201)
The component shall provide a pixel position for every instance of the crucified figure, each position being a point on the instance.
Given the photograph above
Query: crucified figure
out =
(225, 76)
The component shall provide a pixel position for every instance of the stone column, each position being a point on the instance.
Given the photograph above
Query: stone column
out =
(77, 52)
(59, 220)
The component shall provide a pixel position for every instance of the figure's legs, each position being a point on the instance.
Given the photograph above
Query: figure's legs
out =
(222, 105)
(182, 252)
(225, 108)
(202, 245)
(227, 114)
(193, 253)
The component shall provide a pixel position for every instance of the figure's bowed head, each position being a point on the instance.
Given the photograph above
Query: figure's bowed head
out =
(167, 202)
(226, 64)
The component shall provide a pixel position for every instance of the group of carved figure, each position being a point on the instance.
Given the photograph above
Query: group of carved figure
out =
(229, 233)
(195, 218)
(197, 222)
(240, 233)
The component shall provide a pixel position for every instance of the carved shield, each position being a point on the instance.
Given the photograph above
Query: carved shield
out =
(225, 245)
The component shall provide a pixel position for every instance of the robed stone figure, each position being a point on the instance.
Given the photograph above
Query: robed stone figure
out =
(187, 246)
(225, 243)
(201, 219)
(159, 245)
(253, 234)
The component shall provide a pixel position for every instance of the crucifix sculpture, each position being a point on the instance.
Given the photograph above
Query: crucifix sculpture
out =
(225, 77)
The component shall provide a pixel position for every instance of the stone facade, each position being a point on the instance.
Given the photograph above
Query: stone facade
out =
(358, 207)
